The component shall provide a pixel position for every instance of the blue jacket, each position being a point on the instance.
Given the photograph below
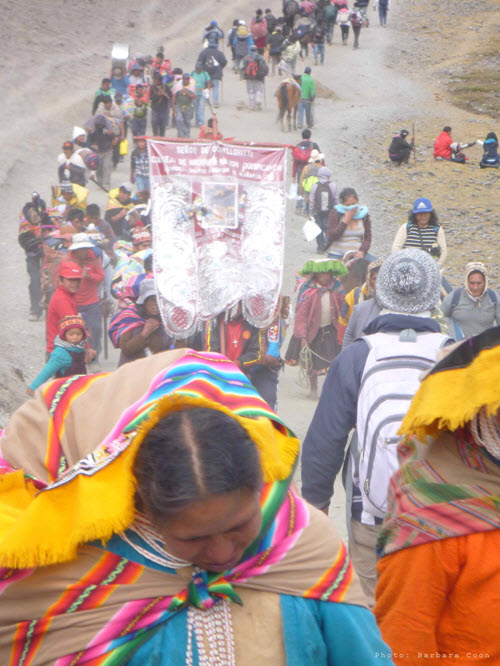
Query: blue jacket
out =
(59, 359)
(314, 632)
(323, 449)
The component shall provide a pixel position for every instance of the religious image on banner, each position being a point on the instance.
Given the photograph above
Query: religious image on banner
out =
(218, 218)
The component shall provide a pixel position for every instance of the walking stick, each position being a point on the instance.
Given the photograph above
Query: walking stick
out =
(214, 118)
(105, 341)
(99, 184)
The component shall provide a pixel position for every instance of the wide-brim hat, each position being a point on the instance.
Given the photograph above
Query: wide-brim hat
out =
(409, 282)
(316, 155)
(81, 241)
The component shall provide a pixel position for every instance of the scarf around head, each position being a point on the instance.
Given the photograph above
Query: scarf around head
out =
(475, 267)
(72, 507)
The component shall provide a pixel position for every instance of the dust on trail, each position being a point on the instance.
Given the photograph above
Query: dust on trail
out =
(377, 91)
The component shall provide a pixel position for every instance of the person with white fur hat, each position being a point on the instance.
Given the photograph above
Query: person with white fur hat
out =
(474, 307)
(80, 137)
(369, 387)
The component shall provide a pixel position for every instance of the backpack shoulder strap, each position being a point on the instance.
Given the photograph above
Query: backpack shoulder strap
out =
(493, 295)
(455, 298)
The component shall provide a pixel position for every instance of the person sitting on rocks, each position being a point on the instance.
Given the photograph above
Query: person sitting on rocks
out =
(447, 149)
(490, 156)
(400, 150)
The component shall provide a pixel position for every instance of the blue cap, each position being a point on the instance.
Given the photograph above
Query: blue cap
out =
(422, 205)
(214, 23)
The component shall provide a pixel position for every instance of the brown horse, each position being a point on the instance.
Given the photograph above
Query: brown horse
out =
(288, 96)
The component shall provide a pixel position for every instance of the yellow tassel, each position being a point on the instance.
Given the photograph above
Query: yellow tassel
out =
(47, 528)
(451, 398)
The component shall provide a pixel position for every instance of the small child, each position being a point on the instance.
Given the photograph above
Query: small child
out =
(68, 356)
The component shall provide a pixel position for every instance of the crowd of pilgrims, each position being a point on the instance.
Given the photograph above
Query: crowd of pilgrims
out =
(95, 266)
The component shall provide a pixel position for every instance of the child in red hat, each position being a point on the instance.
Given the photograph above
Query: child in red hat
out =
(68, 356)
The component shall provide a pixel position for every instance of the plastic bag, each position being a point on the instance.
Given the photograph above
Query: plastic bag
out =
(310, 229)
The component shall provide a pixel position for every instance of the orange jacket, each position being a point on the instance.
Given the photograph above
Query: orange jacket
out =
(442, 597)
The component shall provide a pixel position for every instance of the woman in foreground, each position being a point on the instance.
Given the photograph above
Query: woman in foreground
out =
(155, 522)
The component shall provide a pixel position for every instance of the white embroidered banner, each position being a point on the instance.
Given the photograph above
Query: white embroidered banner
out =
(218, 223)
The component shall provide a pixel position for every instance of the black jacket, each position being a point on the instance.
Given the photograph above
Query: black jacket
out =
(207, 56)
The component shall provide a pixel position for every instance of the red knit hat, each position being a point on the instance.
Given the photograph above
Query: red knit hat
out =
(72, 321)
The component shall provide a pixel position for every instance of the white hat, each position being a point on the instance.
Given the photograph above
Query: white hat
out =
(242, 23)
(78, 131)
(126, 186)
(81, 241)
(316, 155)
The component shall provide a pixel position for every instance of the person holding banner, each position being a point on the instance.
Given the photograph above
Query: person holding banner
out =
(231, 335)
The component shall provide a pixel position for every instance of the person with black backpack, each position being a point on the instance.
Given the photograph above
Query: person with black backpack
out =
(255, 69)
(330, 13)
(319, 37)
(213, 62)
(323, 197)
